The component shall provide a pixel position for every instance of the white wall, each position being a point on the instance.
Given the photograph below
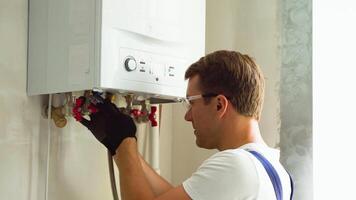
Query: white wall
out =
(334, 99)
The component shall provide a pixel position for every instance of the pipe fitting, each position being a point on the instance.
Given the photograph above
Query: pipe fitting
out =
(58, 115)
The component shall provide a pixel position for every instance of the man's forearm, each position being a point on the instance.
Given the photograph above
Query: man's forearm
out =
(138, 180)
(157, 183)
(133, 182)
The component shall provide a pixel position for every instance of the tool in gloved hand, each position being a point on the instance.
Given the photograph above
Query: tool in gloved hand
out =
(107, 123)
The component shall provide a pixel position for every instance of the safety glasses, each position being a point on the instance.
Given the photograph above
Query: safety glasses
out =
(188, 100)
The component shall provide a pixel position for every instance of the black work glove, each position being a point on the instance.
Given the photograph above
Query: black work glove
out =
(110, 126)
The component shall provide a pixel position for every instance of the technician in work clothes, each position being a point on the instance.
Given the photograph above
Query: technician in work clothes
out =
(224, 99)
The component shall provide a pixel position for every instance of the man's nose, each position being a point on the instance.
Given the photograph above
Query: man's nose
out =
(188, 115)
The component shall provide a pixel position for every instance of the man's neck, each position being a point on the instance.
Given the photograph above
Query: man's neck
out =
(240, 131)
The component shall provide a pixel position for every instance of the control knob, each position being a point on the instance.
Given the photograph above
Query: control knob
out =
(130, 63)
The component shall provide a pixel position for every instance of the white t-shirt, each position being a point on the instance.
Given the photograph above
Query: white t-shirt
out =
(236, 174)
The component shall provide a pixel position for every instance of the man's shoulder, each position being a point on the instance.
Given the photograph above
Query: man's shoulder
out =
(229, 159)
(241, 158)
(226, 174)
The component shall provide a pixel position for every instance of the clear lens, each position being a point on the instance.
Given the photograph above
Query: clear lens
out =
(186, 104)
(186, 101)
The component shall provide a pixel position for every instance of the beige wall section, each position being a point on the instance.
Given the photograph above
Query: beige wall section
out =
(251, 27)
(20, 121)
(166, 141)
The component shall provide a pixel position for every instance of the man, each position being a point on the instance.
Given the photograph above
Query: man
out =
(225, 96)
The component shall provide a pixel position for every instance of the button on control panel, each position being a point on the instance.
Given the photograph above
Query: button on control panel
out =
(153, 68)
(130, 64)
(142, 66)
(171, 71)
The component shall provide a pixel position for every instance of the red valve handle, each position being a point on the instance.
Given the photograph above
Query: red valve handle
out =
(136, 112)
(152, 116)
(78, 108)
(77, 114)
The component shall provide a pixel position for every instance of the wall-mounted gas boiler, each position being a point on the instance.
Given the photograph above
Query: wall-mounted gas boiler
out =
(129, 46)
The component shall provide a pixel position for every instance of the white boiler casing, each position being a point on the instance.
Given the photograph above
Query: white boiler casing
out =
(128, 46)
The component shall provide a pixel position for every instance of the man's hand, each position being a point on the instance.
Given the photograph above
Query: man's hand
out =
(110, 126)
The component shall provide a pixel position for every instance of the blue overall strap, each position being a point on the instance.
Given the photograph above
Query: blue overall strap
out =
(272, 173)
(291, 185)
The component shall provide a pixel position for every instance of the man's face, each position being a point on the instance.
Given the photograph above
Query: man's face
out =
(202, 116)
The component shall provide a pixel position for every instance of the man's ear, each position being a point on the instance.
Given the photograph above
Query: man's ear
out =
(218, 106)
(221, 105)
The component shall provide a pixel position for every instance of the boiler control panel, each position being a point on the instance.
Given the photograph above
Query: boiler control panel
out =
(140, 66)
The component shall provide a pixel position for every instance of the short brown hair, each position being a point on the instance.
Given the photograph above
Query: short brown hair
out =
(234, 75)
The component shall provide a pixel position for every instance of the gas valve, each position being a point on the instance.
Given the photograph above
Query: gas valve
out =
(57, 114)
(152, 116)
